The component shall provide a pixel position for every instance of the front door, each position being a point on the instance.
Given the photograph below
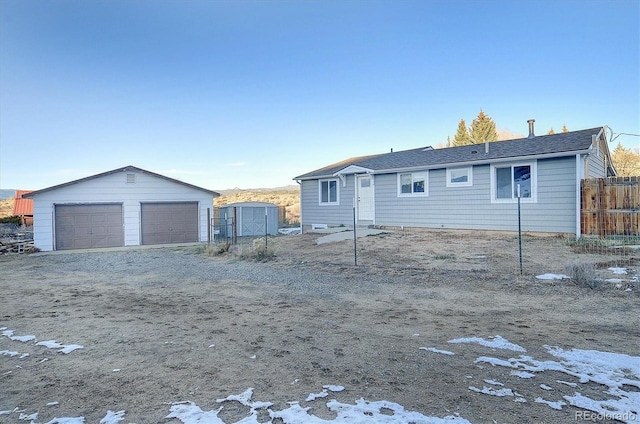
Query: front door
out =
(365, 197)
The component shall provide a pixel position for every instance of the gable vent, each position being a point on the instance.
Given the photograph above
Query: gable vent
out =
(131, 178)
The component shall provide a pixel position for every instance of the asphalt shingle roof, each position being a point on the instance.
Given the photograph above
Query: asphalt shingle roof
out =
(540, 145)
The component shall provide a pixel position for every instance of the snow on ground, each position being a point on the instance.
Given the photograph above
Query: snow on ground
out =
(361, 412)
(51, 344)
(434, 350)
(497, 342)
(552, 277)
(618, 373)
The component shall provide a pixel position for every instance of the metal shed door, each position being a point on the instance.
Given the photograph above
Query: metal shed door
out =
(252, 221)
(169, 222)
(88, 226)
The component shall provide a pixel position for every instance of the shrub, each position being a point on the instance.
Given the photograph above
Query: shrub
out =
(15, 219)
(258, 251)
(583, 274)
(214, 249)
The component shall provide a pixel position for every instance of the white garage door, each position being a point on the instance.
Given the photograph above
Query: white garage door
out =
(88, 225)
(169, 222)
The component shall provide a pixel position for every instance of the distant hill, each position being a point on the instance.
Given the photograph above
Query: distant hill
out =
(227, 192)
(6, 193)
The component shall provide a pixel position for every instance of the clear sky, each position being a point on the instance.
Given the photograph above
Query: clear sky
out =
(250, 94)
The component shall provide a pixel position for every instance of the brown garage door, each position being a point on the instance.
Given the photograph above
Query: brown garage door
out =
(169, 222)
(88, 226)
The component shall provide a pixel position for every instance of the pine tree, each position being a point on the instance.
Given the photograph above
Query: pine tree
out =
(462, 137)
(564, 129)
(483, 129)
(626, 162)
(551, 131)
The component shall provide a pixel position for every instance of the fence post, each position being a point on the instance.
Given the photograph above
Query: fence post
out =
(355, 237)
(519, 231)
(266, 231)
(208, 226)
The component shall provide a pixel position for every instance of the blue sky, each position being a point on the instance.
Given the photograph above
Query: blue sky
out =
(250, 94)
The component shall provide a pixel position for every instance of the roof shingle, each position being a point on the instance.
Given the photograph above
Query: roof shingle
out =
(573, 141)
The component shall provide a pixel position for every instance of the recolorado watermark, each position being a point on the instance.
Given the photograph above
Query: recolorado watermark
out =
(599, 416)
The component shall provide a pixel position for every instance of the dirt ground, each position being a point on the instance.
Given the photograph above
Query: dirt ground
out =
(151, 339)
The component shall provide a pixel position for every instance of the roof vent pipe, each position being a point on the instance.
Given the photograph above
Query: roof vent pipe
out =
(530, 122)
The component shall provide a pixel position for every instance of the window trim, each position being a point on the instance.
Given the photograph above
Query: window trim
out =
(468, 183)
(329, 202)
(534, 182)
(425, 174)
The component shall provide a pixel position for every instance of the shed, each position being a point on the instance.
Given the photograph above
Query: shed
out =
(124, 207)
(249, 219)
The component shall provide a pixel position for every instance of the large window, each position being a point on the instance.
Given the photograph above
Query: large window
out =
(413, 184)
(329, 192)
(509, 182)
(460, 177)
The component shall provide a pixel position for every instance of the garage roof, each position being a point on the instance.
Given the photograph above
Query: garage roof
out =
(123, 169)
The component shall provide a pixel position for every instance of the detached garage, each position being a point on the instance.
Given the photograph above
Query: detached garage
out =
(124, 207)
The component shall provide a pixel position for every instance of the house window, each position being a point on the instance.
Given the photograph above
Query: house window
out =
(329, 192)
(507, 180)
(412, 184)
(459, 177)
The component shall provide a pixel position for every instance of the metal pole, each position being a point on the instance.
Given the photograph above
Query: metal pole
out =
(355, 238)
(208, 226)
(519, 231)
(234, 225)
(266, 231)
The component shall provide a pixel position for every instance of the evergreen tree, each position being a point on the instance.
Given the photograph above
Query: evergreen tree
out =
(483, 129)
(564, 129)
(551, 131)
(626, 162)
(462, 137)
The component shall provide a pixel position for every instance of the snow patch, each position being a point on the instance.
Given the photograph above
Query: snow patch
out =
(497, 343)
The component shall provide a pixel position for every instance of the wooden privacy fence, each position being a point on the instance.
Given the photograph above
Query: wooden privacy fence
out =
(610, 206)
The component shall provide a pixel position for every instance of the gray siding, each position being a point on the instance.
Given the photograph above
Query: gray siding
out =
(596, 167)
(333, 215)
(445, 207)
(459, 207)
(471, 207)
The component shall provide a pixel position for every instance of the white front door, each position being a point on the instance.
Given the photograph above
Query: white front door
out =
(364, 188)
